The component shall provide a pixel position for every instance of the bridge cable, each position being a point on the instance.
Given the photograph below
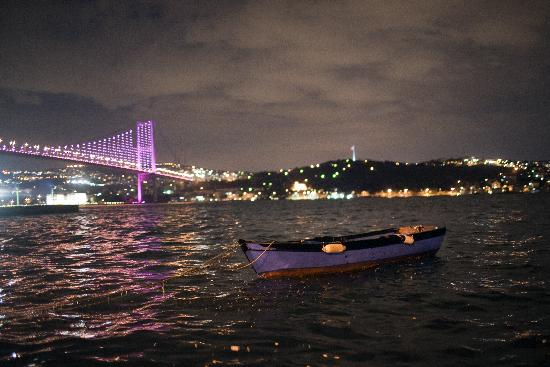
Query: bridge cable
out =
(166, 142)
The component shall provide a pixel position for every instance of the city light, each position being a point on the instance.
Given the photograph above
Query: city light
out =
(134, 151)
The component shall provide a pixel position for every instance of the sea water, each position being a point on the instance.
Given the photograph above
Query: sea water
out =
(139, 285)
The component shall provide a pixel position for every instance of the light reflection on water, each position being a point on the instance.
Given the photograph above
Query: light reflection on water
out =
(124, 284)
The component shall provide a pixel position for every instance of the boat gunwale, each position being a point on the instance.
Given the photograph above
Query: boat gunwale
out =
(308, 245)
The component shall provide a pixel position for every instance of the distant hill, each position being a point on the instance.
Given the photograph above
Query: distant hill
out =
(373, 176)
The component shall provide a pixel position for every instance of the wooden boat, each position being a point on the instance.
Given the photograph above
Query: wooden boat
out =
(338, 254)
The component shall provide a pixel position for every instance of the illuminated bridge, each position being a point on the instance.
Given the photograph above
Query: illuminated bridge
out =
(128, 150)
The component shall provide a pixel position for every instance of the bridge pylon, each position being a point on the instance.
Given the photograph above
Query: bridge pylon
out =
(146, 158)
(140, 178)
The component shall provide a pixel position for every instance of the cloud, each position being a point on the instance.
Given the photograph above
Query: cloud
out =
(300, 81)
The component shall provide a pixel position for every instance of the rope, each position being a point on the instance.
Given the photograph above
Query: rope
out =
(74, 301)
(256, 259)
(67, 304)
(223, 255)
(205, 263)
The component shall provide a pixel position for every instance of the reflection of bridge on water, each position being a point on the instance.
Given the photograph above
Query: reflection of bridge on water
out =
(119, 151)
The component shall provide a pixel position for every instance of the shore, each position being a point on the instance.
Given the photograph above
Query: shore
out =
(10, 211)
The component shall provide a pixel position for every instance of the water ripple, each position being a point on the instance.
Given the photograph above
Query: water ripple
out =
(162, 284)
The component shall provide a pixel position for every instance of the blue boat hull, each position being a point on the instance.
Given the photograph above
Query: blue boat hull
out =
(308, 258)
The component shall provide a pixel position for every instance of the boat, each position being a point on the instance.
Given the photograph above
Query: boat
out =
(328, 254)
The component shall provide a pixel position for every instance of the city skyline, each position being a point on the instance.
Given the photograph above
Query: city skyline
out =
(254, 86)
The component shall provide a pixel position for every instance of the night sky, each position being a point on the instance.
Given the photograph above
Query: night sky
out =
(265, 85)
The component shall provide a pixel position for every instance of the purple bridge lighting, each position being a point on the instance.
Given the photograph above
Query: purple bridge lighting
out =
(120, 151)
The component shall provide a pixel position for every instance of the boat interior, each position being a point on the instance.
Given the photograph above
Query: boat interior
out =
(354, 238)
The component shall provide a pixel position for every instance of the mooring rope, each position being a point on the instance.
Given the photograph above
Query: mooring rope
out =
(73, 300)
(205, 264)
(256, 259)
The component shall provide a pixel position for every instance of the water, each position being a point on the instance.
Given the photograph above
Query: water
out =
(86, 289)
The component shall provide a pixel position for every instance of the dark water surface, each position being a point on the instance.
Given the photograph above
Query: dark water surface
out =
(86, 288)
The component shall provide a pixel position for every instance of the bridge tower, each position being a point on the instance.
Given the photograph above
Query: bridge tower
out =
(145, 149)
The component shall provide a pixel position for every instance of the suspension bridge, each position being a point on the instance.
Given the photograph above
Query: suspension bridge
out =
(131, 150)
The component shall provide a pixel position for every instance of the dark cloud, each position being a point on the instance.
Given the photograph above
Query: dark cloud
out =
(274, 84)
